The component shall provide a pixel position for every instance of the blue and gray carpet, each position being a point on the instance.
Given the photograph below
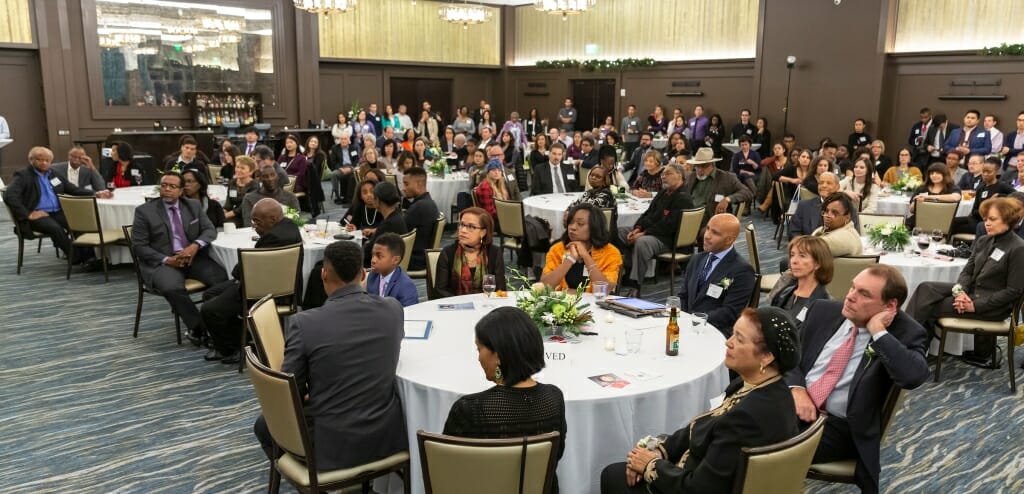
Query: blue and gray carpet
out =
(84, 407)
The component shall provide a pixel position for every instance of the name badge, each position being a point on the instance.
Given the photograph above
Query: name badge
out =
(719, 197)
(88, 187)
(984, 194)
(802, 315)
(715, 291)
(570, 113)
(749, 132)
(997, 254)
(570, 176)
(586, 273)
(353, 153)
(917, 131)
(511, 177)
(136, 172)
(232, 193)
(54, 181)
(716, 401)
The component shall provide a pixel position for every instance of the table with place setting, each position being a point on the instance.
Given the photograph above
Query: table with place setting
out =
(552, 207)
(612, 397)
(119, 210)
(899, 204)
(443, 190)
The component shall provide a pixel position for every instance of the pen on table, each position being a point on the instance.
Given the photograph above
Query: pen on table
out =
(588, 333)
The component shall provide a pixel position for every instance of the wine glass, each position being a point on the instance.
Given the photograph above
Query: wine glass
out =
(937, 236)
(670, 303)
(489, 285)
(923, 242)
(917, 232)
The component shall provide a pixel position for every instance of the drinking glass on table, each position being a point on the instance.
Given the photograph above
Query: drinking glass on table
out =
(923, 242)
(671, 302)
(699, 320)
(937, 236)
(489, 285)
(600, 289)
(634, 339)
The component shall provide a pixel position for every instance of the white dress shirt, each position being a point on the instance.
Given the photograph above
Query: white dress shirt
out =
(556, 178)
(73, 175)
(839, 399)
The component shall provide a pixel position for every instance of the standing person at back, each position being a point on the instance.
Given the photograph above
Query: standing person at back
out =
(344, 356)
(567, 116)
(421, 215)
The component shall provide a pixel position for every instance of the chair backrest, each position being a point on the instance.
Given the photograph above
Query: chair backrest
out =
(358, 173)
(281, 405)
(127, 229)
(290, 186)
(439, 231)
(267, 333)
(741, 210)
(780, 467)
(931, 215)
(845, 269)
(806, 194)
(270, 271)
(214, 171)
(608, 212)
(391, 177)
(510, 218)
(410, 240)
(584, 176)
(755, 258)
(892, 404)
(780, 196)
(81, 213)
(451, 463)
(689, 227)
(17, 230)
(432, 256)
(868, 220)
(755, 294)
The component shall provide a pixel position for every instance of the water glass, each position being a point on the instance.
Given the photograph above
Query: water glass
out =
(600, 289)
(321, 227)
(634, 339)
(671, 302)
(699, 320)
(229, 227)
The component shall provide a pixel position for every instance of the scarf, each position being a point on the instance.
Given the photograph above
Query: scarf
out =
(463, 279)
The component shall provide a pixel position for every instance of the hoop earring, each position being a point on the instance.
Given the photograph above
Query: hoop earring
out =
(498, 378)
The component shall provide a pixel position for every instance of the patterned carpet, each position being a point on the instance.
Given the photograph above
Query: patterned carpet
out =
(87, 408)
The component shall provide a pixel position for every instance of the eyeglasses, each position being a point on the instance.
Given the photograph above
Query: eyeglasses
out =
(833, 212)
(169, 186)
(470, 227)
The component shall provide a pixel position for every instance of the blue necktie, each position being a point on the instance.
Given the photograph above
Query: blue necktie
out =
(707, 267)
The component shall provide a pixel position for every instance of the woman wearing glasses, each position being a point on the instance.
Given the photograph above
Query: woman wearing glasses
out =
(462, 266)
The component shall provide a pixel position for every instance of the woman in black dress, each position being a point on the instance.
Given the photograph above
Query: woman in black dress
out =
(363, 214)
(195, 186)
(758, 410)
(393, 221)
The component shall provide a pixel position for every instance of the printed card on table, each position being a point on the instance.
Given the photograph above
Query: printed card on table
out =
(609, 381)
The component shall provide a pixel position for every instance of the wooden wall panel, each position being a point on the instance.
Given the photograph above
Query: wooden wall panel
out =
(15, 22)
(659, 29)
(955, 25)
(397, 31)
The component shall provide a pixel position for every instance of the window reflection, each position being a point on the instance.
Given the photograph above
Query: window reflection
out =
(153, 51)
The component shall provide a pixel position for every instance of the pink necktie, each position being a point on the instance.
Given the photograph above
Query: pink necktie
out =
(382, 285)
(823, 387)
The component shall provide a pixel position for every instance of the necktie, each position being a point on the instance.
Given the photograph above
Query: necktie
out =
(177, 229)
(823, 387)
(556, 178)
(383, 284)
(249, 149)
(707, 267)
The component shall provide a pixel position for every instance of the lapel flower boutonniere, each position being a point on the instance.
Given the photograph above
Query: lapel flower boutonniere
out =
(725, 283)
(869, 352)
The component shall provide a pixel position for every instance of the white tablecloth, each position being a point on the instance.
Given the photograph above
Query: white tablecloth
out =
(603, 423)
(734, 147)
(659, 143)
(444, 190)
(552, 207)
(897, 204)
(120, 210)
(917, 270)
(224, 250)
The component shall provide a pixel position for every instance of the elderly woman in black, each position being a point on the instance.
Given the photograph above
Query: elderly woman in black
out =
(758, 410)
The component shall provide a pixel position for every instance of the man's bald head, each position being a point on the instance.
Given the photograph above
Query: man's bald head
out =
(721, 232)
(265, 214)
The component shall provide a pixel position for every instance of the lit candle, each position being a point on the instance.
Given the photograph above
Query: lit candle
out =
(609, 343)
(609, 318)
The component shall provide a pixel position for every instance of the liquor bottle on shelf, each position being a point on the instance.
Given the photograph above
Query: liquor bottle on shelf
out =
(672, 335)
(201, 119)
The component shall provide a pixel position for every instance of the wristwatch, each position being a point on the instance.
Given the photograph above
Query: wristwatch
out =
(568, 257)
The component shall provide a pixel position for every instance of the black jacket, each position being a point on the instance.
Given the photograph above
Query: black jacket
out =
(724, 310)
(23, 194)
(662, 217)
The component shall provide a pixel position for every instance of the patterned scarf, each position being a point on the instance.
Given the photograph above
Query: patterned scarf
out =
(465, 280)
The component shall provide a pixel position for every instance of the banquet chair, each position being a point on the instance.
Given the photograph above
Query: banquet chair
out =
(755, 294)
(511, 220)
(432, 256)
(390, 177)
(267, 333)
(686, 242)
(584, 175)
(868, 220)
(290, 186)
(281, 405)
(436, 244)
(780, 467)
(806, 194)
(846, 268)
(23, 235)
(456, 465)
(274, 271)
(767, 281)
(214, 172)
(609, 219)
(86, 230)
(933, 215)
(410, 241)
(1004, 327)
(842, 471)
(192, 287)
(782, 202)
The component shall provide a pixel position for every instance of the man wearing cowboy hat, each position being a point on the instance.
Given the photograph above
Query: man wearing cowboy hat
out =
(715, 189)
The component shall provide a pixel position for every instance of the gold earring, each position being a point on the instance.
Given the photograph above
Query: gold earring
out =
(762, 368)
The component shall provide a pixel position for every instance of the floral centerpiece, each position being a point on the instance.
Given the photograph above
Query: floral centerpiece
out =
(438, 164)
(907, 183)
(889, 237)
(549, 308)
(293, 215)
(353, 112)
(619, 191)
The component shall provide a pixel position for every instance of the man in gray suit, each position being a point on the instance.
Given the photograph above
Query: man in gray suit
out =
(80, 171)
(344, 354)
(170, 238)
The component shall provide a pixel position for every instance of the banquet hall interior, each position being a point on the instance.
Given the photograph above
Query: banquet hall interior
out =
(89, 408)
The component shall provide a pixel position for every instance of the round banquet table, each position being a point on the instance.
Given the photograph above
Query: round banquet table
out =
(734, 147)
(552, 207)
(659, 142)
(444, 189)
(897, 204)
(224, 249)
(918, 269)
(603, 424)
(120, 210)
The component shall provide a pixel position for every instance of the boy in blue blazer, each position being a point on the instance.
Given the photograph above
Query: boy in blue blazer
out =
(386, 278)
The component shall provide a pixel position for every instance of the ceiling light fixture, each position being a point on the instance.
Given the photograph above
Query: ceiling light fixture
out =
(464, 14)
(325, 7)
(563, 7)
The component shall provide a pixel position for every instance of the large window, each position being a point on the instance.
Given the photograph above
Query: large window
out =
(153, 51)
(954, 25)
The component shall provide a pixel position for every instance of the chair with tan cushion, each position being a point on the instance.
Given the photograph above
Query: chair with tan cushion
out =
(273, 271)
(686, 242)
(779, 468)
(290, 186)
(83, 217)
(192, 287)
(436, 244)
(455, 465)
(842, 471)
(511, 222)
(934, 215)
(768, 281)
(845, 269)
(1004, 327)
(214, 171)
(267, 333)
(432, 256)
(782, 201)
(281, 404)
(23, 235)
(410, 240)
(609, 214)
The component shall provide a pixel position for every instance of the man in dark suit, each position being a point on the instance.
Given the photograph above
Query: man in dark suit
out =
(222, 303)
(636, 160)
(80, 171)
(934, 140)
(32, 198)
(854, 351)
(171, 239)
(712, 188)
(554, 176)
(718, 281)
(345, 354)
(971, 138)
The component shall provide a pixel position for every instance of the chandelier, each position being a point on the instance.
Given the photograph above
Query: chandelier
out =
(117, 40)
(563, 7)
(218, 24)
(324, 6)
(464, 14)
(181, 30)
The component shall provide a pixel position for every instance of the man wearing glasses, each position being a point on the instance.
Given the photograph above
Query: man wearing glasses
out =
(170, 238)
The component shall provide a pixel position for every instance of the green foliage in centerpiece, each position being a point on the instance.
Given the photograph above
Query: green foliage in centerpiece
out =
(548, 307)
(889, 237)
(907, 183)
(438, 164)
(619, 191)
(293, 215)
